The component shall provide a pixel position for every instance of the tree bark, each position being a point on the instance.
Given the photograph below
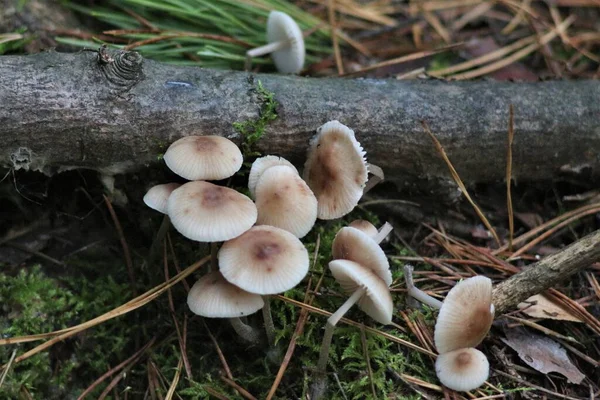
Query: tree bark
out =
(546, 273)
(118, 112)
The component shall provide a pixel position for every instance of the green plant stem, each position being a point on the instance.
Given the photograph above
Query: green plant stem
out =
(268, 318)
(330, 326)
(245, 331)
(416, 293)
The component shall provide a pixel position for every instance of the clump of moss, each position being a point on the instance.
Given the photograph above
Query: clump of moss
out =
(253, 130)
(35, 303)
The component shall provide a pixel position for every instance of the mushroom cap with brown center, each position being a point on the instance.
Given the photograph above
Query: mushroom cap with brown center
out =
(377, 301)
(212, 296)
(466, 315)
(156, 198)
(264, 260)
(354, 245)
(206, 212)
(203, 157)
(260, 165)
(284, 200)
(462, 369)
(336, 170)
(365, 227)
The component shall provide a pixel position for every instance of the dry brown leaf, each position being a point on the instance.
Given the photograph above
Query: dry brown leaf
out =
(546, 309)
(542, 354)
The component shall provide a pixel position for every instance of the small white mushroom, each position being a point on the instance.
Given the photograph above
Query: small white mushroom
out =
(285, 201)
(156, 198)
(286, 44)
(260, 165)
(203, 158)
(206, 212)
(462, 369)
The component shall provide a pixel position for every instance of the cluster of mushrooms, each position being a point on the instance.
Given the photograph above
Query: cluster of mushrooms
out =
(261, 252)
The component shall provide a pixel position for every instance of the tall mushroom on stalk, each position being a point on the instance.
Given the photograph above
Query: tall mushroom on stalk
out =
(200, 158)
(286, 44)
(213, 297)
(336, 170)
(264, 260)
(367, 288)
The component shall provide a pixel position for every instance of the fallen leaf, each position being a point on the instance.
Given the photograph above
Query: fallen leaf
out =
(539, 306)
(542, 354)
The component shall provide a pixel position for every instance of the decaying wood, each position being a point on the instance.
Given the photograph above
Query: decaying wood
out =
(547, 273)
(119, 112)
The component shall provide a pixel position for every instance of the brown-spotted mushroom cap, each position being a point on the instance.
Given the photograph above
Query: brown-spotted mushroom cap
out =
(212, 296)
(156, 197)
(377, 301)
(365, 227)
(203, 158)
(284, 200)
(260, 165)
(335, 170)
(206, 212)
(462, 369)
(466, 315)
(354, 245)
(264, 260)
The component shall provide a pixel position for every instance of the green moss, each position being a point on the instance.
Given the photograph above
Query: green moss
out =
(253, 130)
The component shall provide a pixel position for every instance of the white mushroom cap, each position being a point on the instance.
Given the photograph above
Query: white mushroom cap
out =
(462, 369)
(336, 170)
(212, 296)
(260, 165)
(351, 244)
(377, 301)
(466, 315)
(281, 27)
(206, 212)
(156, 197)
(365, 227)
(284, 200)
(264, 260)
(203, 158)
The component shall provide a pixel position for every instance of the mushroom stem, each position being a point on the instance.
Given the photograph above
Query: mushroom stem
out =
(247, 332)
(330, 326)
(377, 176)
(267, 49)
(416, 293)
(160, 236)
(268, 318)
(383, 232)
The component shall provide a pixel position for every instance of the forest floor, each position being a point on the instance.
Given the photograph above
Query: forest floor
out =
(76, 246)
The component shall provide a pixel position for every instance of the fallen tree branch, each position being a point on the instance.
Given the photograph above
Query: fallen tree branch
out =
(546, 273)
(119, 112)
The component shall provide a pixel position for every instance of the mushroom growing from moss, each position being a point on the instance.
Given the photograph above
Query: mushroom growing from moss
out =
(214, 297)
(366, 288)
(286, 44)
(264, 260)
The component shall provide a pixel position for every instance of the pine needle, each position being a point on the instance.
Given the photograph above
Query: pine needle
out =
(460, 184)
